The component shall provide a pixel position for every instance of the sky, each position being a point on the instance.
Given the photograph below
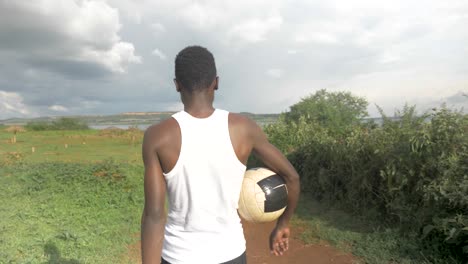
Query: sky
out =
(72, 57)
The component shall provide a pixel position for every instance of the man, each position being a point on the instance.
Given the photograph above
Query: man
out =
(198, 157)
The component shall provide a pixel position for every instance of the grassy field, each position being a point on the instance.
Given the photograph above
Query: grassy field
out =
(73, 146)
(78, 198)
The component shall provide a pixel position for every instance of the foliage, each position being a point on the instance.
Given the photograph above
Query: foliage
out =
(411, 172)
(332, 110)
(63, 123)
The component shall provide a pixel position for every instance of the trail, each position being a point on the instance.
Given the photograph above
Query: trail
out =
(258, 252)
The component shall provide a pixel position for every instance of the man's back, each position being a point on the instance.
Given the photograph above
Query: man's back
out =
(203, 191)
(168, 142)
(200, 166)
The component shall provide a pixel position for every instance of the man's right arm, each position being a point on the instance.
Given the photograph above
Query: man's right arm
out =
(153, 217)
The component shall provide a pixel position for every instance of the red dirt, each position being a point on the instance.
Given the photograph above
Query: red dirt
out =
(258, 252)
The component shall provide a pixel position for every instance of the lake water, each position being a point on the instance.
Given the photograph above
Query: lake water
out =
(122, 126)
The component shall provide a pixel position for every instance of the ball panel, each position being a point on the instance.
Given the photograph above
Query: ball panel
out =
(249, 208)
(251, 205)
(276, 199)
(271, 182)
(276, 194)
(258, 210)
(242, 209)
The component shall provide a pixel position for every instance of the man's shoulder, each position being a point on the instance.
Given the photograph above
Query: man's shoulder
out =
(162, 129)
(243, 125)
(240, 120)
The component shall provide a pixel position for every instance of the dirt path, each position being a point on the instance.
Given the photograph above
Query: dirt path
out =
(257, 235)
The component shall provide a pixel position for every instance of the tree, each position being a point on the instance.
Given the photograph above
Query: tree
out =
(63, 123)
(334, 111)
(68, 123)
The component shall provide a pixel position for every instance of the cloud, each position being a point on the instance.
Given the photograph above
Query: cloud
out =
(158, 28)
(200, 16)
(160, 54)
(69, 32)
(58, 108)
(318, 37)
(12, 104)
(248, 21)
(255, 30)
(275, 73)
(388, 56)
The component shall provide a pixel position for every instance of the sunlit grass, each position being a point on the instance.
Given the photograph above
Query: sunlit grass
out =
(69, 196)
(71, 212)
(72, 146)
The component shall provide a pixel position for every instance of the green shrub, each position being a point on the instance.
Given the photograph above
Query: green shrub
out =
(66, 123)
(410, 172)
(38, 126)
(335, 111)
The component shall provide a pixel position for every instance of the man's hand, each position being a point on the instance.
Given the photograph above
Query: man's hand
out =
(279, 240)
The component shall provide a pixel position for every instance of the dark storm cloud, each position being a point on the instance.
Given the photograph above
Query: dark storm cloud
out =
(70, 69)
(82, 33)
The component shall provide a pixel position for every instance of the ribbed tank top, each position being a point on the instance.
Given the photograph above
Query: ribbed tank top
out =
(203, 192)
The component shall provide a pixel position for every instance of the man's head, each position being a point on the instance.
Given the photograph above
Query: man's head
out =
(195, 69)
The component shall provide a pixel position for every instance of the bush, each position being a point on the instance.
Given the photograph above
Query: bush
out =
(38, 126)
(64, 123)
(335, 111)
(410, 172)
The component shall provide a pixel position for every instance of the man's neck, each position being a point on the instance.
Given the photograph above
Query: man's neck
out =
(199, 107)
(200, 112)
(198, 103)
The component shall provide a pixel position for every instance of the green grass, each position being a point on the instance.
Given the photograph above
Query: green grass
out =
(76, 204)
(58, 212)
(71, 146)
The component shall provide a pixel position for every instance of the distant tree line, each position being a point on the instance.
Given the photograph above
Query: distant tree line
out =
(63, 123)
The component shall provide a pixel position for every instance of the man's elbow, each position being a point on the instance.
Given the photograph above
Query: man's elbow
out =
(293, 181)
(154, 215)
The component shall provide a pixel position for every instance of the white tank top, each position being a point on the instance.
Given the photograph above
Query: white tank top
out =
(203, 191)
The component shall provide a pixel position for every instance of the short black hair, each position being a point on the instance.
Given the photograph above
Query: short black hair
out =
(195, 68)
